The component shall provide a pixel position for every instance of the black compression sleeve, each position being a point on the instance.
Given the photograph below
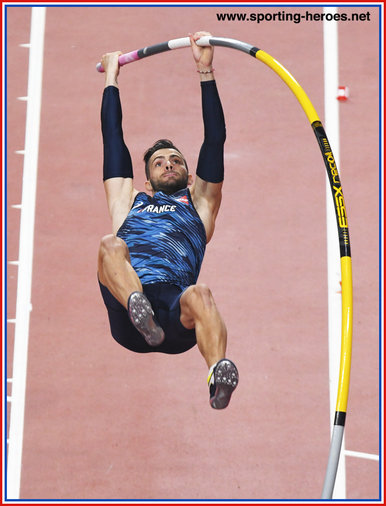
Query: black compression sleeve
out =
(210, 165)
(116, 156)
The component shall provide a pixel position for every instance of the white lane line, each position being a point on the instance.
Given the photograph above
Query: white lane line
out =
(362, 455)
(27, 221)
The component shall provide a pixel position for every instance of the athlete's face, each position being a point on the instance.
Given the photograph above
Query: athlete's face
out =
(168, 172)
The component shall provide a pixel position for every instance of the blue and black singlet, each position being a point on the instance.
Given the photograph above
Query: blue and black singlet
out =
(166, 238)
(165, 235)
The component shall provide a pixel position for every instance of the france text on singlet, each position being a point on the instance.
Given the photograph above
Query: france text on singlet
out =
(166, 238)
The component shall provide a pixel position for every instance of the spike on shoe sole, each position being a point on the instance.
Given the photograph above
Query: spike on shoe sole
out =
(226, 378)
(143, 319)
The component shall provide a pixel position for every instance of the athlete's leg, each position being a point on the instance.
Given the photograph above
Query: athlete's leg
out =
(199, 311)
(114, 269)
(116, 273)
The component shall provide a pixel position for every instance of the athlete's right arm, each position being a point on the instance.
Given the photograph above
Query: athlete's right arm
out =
(117, 166)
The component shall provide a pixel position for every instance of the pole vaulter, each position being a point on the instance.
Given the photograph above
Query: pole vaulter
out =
(340, 212)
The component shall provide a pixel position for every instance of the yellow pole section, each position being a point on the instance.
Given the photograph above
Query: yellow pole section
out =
(346, 269)
(347, 325)
(291, 83)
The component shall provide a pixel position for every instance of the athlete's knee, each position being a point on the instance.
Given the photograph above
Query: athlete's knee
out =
(195, 303)
(202, 293)
(112, 245)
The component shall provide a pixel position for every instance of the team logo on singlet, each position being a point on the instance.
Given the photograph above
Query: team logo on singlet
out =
(158, 209)
(139, 204)
(151, 208)
(183, 199)
(166, 208)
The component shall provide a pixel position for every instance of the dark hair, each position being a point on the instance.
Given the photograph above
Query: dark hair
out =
(160, 144)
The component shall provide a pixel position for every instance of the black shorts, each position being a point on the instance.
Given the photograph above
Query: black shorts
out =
(165, 301)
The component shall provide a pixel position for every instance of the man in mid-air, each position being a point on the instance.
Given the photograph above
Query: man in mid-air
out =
(148, 268)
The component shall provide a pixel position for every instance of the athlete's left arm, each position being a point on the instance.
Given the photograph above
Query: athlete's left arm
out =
(207, 199)
(206, 190)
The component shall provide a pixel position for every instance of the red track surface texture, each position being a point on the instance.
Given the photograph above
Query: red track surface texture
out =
(103, 423)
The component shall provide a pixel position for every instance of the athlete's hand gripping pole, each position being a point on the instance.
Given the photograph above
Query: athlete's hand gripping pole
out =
(138, 54)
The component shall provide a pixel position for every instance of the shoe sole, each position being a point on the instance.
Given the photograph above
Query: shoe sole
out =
(226, 378)
(142, 317)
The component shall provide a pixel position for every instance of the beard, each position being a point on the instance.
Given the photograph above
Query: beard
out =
(170, 185)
